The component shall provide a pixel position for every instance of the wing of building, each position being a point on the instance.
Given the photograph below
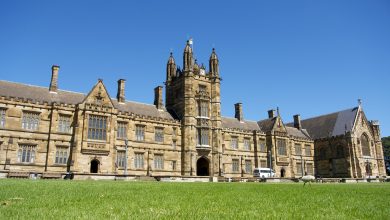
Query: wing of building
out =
(48, 131)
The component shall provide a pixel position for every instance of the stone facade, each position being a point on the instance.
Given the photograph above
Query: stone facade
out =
(48, 130)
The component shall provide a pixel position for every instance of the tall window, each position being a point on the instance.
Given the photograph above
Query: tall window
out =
(235, 166)
(2, 118)
(121, 159)
(203, 108)
(97, 127)
(158, 162)
(248, 166)
(174, 165)
(309, 168)
(263, 147)
(203, 136)
(64, 123)
(140, 132)
(365, 145)
(26, 153)
(247, 144)
(174, 145)
(173, 132)
(61, 155)
(307, 150)
(234, 143)
(298, 149)
(139, 160)
(299, 168)
(281, 143)
(159, 134)
(30, 121)
(122, 130)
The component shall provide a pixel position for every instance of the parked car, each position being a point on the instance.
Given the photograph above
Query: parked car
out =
(263, 172)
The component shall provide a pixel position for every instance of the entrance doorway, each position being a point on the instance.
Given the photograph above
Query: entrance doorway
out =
(368, 169)
(95, 166)
(282, 172)
(202, 167)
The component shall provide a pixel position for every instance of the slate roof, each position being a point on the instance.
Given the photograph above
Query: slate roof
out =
(234, 123)
(42, 94)
(333, 124)
(267, 124)
(291, 131)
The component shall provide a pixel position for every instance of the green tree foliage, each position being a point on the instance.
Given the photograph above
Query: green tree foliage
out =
(386, 145)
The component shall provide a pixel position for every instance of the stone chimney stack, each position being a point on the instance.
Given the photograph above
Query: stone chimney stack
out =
(158, 101)
(121, 91)
(297, 122)
(54, 78)
(271, 113)
(238, 111)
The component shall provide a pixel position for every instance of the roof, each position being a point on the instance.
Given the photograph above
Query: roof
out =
(234, 123)
(267, 124)
(42, 94)
(333, 124)
(291, 131)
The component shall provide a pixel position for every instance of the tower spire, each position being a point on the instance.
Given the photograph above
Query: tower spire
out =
(171, 67)
(214, 64)
(188, 59)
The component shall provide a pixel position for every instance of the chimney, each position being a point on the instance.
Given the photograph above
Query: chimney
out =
(297, 122)
(271, 113)
(238, 111)
(121, 91)
(54, 78)
(158, 102)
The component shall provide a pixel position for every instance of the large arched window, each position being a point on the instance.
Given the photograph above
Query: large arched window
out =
(365, 145)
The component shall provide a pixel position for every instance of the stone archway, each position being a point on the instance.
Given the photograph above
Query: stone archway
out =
(202, 167)
(95, 166)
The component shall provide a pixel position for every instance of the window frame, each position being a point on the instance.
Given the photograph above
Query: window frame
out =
(60, 159)
(140, 132)
(121, 132)
(97, 127)
(159, 134)
(31, 120)
(26, 153)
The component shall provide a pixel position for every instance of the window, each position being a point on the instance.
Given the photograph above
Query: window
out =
(30, 121)
(122, 130)
(174, 133)
(64, 123)
(174, 165)
(121, 159)
(235, 166)
(248, 166)
(263, 163)
(234, 143)
(61, 155)
(309, 168)
(365, 145)
(174, 145)
(281, 143)
(299, 168)
(97, 127)
(202, 89)
(247, 144)
(159, 134)
(203, 108)
(139, 160)
(140, 132)
(263, 147)
(2, 118)
(203, 137)
(159, 162)
(26, 153)
(307, 150)
(298, 149)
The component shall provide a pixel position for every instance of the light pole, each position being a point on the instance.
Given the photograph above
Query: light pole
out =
(126, 142)
(301, 166)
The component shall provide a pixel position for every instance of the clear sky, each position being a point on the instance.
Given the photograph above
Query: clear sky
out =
(306, 57)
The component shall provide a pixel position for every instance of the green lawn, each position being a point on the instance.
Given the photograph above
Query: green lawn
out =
(45, 199)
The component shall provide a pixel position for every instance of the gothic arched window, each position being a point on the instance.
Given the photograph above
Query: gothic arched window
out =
(365, 142)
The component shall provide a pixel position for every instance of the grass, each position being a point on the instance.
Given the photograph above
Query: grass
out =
(49, 199)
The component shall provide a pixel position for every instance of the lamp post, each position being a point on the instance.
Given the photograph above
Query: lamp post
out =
(126, 142)
(301, 166)
(270, 159)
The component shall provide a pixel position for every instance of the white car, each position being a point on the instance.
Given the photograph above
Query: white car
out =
(263, 172)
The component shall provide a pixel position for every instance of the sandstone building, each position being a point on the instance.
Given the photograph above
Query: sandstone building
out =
(49, 130)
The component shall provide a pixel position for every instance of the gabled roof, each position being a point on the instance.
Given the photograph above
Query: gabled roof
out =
(234, 123)
(333, 124)
(42, 94)
(267, 124)
(291, 131)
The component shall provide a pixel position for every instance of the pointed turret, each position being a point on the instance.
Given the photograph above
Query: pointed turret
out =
(171, 68)
(188, 61)
(214, 64)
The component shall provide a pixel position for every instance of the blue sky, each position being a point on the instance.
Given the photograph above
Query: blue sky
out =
(306, 57)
